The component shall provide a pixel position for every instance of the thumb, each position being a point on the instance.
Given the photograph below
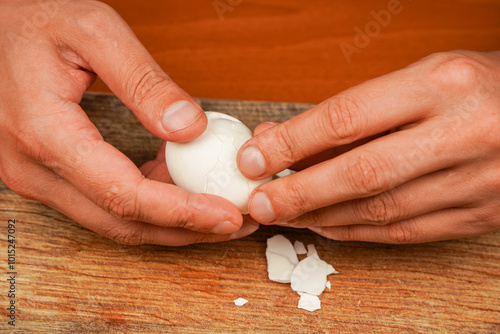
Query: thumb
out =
(115, 54)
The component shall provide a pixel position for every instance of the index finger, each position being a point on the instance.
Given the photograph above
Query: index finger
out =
(359, 112)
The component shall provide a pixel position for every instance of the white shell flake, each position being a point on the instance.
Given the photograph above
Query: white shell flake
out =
(311, 249)
(240, 301)
(307, 277)
(281, 259)
(299, 247)
(285, 172)
(207, 164)
(309, 302)
(310, 275)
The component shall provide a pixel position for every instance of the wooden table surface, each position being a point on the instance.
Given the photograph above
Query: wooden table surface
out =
(71, 280)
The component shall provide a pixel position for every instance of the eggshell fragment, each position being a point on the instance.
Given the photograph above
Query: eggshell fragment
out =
(331, 270)
(285, 172)
(281, 259)
(310, 275)
(311, 249)
(309, 302)
(207, 164)
(307, 277)
(240, 301)
(299, 247)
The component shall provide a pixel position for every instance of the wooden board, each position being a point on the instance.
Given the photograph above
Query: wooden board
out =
(71, 280)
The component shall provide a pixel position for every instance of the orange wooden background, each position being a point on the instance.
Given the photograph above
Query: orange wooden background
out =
(290, 50)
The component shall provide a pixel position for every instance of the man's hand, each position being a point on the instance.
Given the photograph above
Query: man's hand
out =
(429, 170)
(50, 151)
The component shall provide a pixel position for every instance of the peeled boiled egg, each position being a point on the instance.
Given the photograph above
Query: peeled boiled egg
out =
(207, 164)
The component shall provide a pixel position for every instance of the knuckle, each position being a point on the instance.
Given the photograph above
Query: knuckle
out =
(127, 235)
(296, 198)
(452, 70)
(193, 205)
(380, 209)
(187, 209)
(339, 119)
(186, 223)
(288, 145)
(121, 204)
(488, 183)
(401, 233)
(145, 80)
(485, 217)
(311, 218)
(367, 174)
(93, 18)
(346, 233)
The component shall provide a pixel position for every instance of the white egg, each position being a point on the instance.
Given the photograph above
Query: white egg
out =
(207, 164)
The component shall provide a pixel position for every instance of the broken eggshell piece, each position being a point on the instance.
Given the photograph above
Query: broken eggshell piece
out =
(310, 275)
(207, 164)
(307, 277)
(281, 259)
(299, 247)
(311, 249)
(309, 302)
(240, 301)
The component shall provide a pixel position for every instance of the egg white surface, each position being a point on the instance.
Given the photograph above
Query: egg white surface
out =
(207, 164)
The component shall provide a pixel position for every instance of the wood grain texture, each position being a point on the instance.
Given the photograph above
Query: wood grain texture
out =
(71, 280)
(290, 50)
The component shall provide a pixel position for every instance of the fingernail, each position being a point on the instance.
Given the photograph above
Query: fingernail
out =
(245, 230)
(180, 115)
(261, 208)
(252, 162)
(226, 227)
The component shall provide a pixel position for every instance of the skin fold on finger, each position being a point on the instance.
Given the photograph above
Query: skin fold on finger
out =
(359, 112)
(432, 192)
(362, 172)
(453, 223)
